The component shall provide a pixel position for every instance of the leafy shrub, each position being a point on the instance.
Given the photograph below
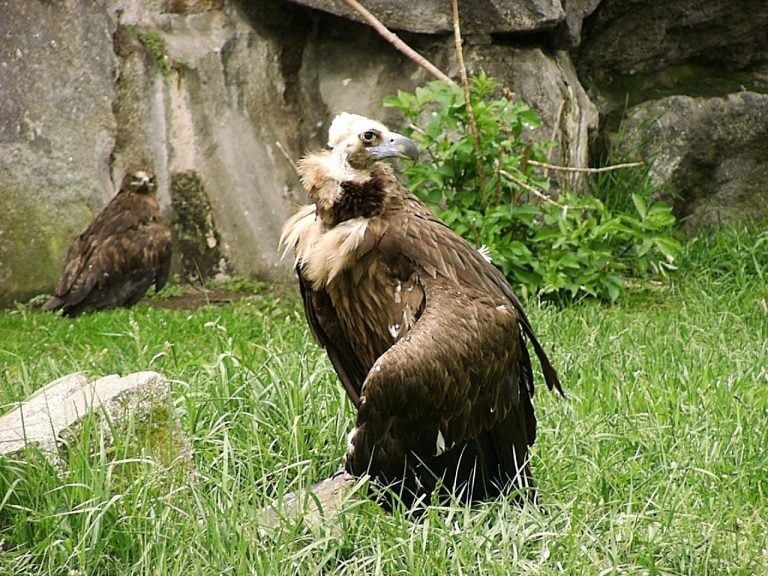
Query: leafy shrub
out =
(566, 249)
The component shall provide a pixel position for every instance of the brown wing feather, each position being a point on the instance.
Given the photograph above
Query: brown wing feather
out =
(460, 379)
(325, 327)
(431, 243)
(452, 379)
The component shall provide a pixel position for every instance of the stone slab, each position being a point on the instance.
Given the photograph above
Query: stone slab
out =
(56, 409)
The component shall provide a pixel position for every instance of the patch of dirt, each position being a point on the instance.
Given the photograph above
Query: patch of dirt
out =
(191, 298)
(188, 297)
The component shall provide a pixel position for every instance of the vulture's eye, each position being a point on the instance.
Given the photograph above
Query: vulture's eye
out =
(369, 136)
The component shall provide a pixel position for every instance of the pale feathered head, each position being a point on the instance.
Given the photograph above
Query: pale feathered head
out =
(360, 141)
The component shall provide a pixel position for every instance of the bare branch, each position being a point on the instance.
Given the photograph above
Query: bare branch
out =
(539, 194)
(287, 157)
(556, 126)
(393, 39)
(467, 102)
(585, 170)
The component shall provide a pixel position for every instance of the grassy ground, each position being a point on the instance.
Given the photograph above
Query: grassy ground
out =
(655, 463)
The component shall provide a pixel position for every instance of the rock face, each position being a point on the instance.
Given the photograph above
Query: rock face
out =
(548, 82)
(687, 81)
(712, 151)
(214, 94)
(641, 36)
(55, 142)
(432, 17)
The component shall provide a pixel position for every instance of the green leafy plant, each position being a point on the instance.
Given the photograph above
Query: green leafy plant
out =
(492, 195)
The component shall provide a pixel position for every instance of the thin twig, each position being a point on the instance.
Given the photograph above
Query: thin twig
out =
(539, 194)
(556, 128)
(392, 38)
(287, 157)
(467, 101)
(587, 170)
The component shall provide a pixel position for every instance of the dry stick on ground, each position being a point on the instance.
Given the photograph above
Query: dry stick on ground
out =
(392, 38)
(467, 101)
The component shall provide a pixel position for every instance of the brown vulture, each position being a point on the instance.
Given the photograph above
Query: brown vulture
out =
(120, 255)
(425, 334)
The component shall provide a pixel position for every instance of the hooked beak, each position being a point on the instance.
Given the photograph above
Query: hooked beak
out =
(145, 181)
(395, 146)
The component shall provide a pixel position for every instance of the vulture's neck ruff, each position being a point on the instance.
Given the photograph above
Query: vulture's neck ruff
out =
(348, 180)
(348, 184)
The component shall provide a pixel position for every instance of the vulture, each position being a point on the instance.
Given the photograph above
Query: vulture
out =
(120, 255)
(425, 334)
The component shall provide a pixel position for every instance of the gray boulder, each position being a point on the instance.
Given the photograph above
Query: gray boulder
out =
(569, 32)
(434, 16)
(712, 151)
(137, 405)
(640, 36)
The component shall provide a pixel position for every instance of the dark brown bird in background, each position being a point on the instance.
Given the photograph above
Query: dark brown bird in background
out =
(425, 334)
(120, 255)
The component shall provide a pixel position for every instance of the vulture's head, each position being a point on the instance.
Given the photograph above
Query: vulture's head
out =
(139, 182)
(358, 142)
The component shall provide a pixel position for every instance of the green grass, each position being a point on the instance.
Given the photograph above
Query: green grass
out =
(655, 463)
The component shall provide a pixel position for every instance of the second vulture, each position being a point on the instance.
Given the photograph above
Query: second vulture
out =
(124, 250)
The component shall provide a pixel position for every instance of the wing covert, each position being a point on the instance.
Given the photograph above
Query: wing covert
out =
(456, 374)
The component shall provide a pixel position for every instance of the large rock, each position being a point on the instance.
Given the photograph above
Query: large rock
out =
(548, 83)
(56, 134)
(687, 78)
(712, 151)
(196, 91)
(137, 405)
(640, 36)
(575, 13)
(434, 16)
(202, 92)
(224, 112)
(317, 506)
(334, 78)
